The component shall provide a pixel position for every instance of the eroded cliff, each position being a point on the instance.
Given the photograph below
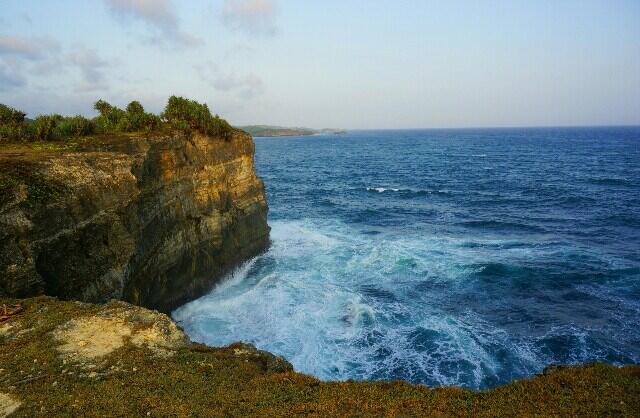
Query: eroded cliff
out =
(154, 220)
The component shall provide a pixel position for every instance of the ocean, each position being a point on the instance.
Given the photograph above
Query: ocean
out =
(442, 257)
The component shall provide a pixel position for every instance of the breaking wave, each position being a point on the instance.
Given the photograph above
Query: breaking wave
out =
(400, 256)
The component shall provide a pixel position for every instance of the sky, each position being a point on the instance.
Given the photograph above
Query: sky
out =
(355, 64)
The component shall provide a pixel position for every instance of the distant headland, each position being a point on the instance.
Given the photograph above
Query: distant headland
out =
(277, 131)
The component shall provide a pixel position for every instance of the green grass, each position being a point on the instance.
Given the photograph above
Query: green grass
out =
(203, 381)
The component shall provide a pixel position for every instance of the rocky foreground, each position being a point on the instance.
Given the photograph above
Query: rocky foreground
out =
(75, 359)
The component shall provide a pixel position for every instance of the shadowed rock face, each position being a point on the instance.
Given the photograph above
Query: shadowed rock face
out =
(154, 221)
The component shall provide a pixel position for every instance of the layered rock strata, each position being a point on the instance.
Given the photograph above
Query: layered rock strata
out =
(154, 220)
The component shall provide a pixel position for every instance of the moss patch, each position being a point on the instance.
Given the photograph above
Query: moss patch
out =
(133, 380)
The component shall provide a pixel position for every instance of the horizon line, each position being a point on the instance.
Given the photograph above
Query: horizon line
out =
(636, 125)
(632, 125)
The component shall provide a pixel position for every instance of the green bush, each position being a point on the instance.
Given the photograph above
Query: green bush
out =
(42, 128)
(13, 133)
(189, 115)
(134, 119)
(135, 108)
(179, 114)
(139, 120)
(74, 126)
(10, 116)
(45, 128)
(111, 119)
(12, 124)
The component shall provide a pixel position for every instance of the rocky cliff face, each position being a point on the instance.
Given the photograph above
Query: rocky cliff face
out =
(151, 220)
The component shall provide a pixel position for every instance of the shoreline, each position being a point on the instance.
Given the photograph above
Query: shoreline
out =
(118, 359)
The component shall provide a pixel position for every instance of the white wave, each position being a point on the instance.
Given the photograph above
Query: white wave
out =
(382, 189)
(343, 305)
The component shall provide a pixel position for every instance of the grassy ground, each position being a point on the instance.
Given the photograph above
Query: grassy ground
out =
(67, 145)
(182, 379)
(19, 161)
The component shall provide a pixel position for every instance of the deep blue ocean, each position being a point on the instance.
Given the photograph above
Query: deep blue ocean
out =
(443, 257)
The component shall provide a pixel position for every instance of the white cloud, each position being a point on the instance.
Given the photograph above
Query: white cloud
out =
(157, 14)
(24, 59)
(256, 17)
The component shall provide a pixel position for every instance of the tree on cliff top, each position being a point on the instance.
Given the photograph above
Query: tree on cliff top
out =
(179, 114)
(12, 124)
(189, 115)
(134, 119)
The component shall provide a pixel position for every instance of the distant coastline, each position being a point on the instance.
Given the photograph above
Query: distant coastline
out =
(280, 131)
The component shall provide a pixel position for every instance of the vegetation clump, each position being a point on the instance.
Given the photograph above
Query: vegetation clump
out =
(180, 114)
(134, 119)
(12, 124)
(189, 115)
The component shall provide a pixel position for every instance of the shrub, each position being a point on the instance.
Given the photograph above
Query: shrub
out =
(180, 113)
(12, 124)
(139, 120)
(13, 133)
(135, 108)
(224, 128)
(74, 126)
(42, 127)
(111, 119)
(10, 116)
(102, 107)
(189, 115)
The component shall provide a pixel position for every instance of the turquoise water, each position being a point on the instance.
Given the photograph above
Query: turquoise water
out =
(444, 257)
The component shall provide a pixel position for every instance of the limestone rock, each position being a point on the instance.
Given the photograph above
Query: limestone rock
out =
(153, 220)
(8, 404)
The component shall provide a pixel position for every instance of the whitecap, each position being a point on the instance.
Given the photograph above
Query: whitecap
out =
(308, 299)
(382, 189)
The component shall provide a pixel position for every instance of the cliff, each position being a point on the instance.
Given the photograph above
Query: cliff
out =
(75, 359)
(153, 220)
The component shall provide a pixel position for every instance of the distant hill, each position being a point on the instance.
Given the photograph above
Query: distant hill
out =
(275, 131)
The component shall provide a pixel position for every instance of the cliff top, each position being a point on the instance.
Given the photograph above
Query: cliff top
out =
(180, 114)
(63, 358)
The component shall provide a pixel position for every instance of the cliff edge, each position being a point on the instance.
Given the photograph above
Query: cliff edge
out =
(152, 219)
(118, 360)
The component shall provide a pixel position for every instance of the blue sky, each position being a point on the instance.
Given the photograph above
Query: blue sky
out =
(347, 63)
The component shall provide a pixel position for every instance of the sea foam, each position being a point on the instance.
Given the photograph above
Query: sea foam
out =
(398, 255)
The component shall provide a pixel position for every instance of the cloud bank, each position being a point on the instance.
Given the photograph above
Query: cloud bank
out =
(22, 59)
